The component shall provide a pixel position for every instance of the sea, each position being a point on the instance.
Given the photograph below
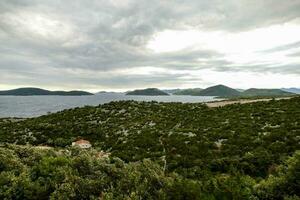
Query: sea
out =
(34, 106)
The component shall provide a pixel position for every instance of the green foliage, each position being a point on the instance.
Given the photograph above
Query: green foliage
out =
(285, 183)
(76, 174)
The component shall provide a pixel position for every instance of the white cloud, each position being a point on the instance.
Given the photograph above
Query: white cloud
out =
(243, 80)
(226, 42)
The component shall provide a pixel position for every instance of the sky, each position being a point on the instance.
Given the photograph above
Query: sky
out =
(121, 45)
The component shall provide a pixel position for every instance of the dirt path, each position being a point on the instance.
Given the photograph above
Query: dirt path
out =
(241, 101)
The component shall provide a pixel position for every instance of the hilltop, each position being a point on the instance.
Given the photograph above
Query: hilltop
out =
(148, 92)
(219, 90)
(38, 91)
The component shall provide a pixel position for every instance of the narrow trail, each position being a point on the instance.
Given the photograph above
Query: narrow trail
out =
(241, 101)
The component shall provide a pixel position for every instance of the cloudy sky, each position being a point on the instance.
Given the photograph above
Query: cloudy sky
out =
(125, 44)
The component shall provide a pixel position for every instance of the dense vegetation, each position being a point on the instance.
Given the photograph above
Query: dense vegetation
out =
(31, 173)
(148, 92)
(237, 151)
(38, 91)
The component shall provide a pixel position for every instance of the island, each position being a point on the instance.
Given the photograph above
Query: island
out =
(39, 91)
(148, 92)
(293, 90)
(217, 90)
(252, 92)
(190, 91)
(227, 92)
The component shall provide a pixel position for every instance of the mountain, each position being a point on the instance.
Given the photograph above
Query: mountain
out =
(265, 92)
(148, 92)
(38, 91)
(293, 90)
(219, 90)
(191, 91)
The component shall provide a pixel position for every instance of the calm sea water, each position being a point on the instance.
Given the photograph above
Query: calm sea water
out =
(32, 106)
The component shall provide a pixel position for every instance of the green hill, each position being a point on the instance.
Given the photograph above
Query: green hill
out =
(265, 92)
(191, 91)
(148, 92)
(239, 151)
(220, 91)
(38, 91)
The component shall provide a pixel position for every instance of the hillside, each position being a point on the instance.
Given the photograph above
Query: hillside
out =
(38, 91)
(220, 91)
(191, 91)
(191, 146)
(265, 92)
(148, 92)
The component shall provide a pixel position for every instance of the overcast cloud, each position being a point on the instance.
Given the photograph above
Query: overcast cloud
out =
(126, 44)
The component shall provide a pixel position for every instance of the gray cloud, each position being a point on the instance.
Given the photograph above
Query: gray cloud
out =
(40, 40)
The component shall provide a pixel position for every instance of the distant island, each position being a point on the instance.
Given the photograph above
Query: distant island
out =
(148, 92)
(265, 92)
(293, 90)
(224, 91)
(217, 90)
(221, 91)
(38, 91)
